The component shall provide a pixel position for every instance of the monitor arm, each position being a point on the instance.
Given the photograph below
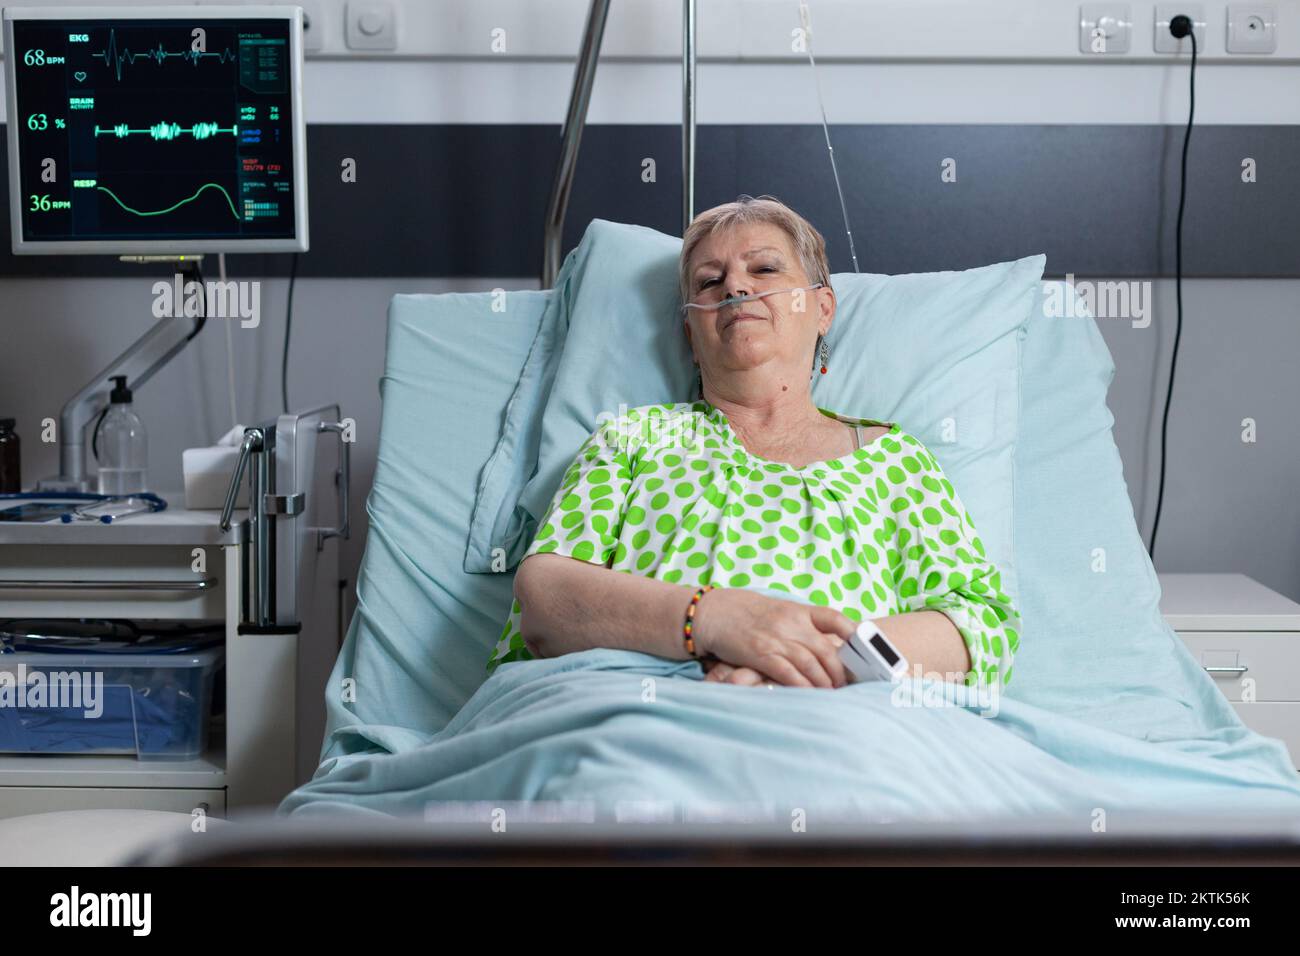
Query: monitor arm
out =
(138, 363)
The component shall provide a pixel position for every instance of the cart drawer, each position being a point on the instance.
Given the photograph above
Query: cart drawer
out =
(136, 581)
(1265, 662)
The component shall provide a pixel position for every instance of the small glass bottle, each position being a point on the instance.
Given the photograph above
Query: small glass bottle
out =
(123, 449)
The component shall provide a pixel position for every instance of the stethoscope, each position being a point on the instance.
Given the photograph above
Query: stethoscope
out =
(85, 512)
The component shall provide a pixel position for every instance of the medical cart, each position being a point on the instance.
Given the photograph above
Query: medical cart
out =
(270, 578)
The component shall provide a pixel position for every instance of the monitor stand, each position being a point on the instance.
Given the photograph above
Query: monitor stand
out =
(138, 363)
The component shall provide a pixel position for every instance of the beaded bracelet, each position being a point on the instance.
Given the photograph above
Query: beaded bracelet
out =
(690, 617)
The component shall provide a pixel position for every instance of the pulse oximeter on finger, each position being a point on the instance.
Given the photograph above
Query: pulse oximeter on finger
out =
(869, 655)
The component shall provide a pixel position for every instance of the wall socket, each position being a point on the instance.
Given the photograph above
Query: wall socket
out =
(370, 25)
(1166, 42)
(1105, 28)
(1252, 28)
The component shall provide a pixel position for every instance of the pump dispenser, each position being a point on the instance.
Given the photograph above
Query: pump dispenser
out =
(123, 449)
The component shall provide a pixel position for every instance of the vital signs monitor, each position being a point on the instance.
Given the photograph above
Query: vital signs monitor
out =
(156, 130)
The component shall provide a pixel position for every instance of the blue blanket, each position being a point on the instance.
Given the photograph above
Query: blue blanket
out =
(618, 730)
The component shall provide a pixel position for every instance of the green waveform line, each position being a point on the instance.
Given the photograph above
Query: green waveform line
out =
(113, 58)
(165, 130)
(159, 212)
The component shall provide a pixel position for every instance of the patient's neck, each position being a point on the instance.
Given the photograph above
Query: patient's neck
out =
(780, 423)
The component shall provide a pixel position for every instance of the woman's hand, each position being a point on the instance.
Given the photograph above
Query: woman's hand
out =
(720, 672)
(793, 644)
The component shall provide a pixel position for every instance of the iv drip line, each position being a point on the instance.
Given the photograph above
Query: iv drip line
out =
(806, 17)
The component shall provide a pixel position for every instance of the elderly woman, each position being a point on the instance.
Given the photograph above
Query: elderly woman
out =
(679, 536)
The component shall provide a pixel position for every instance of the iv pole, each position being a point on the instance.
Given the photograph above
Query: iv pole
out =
(571, 133)
(688, 113)
(584, 75)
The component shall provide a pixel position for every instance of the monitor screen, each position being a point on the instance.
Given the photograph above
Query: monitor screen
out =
(884, 650)
(156, 130)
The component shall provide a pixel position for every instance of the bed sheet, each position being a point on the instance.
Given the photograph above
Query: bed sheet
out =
(618, 731)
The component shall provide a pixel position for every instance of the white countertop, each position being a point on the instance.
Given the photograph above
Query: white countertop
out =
(174, 525)
(1224, 602)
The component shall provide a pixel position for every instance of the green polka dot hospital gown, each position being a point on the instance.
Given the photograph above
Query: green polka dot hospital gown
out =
(669, 492)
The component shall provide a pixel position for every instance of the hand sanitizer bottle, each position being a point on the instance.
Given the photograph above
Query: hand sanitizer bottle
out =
(123, 449)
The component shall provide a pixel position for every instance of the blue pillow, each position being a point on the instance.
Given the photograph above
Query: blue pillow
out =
(623, 345)
(1091, 607)
(937, 352)
(497, 535)
(1095, 645)
(616, 274)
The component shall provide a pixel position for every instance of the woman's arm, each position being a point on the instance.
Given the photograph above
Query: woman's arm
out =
(928, 639)
(570, 605)
(939, 564)
(930, 642)
(568, 597)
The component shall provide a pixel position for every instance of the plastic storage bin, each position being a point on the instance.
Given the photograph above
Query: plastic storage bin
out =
(108, 687)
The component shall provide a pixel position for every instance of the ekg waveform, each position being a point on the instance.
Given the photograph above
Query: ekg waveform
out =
(175, 205)
(112, 57)
(165, 131)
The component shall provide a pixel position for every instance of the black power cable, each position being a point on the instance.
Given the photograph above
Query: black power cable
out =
(1180, 26)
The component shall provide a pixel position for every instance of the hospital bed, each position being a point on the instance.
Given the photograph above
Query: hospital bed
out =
(1109, 729)
(1105, 701)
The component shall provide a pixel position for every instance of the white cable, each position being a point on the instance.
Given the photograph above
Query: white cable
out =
(733, 300)
(230, 346)
(805, 16)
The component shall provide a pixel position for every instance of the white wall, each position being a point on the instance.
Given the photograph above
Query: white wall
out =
(886, 61)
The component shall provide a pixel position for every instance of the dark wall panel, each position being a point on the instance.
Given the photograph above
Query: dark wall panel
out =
(456, 200)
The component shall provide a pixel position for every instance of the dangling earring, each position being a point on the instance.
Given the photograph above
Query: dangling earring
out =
(699, 384)
(824, 351)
